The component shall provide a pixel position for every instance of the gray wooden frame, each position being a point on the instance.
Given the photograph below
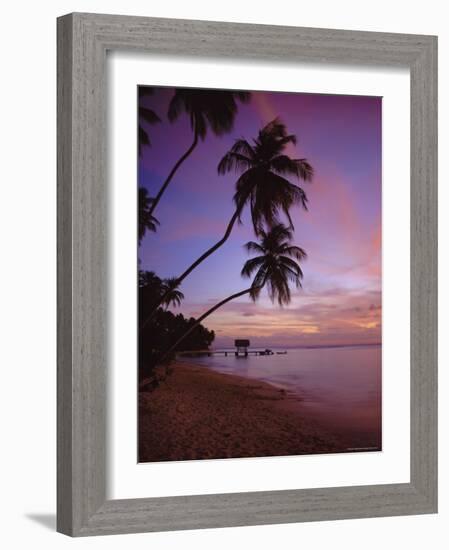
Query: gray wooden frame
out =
(83, 40)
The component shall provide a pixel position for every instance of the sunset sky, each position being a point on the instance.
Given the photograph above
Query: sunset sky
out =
(340, 302)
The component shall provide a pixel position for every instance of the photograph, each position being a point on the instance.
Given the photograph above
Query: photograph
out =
(231, 212)
(258, 273)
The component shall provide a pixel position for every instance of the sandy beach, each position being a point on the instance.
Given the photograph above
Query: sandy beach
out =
(201, 414)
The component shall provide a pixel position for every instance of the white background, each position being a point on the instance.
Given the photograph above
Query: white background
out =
(27, 300)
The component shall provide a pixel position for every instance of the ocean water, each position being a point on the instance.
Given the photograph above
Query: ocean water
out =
(340, 387)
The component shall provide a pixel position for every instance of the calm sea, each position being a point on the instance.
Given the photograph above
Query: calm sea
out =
(340, 386)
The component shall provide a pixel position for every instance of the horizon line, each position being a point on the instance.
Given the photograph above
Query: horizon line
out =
(311, 346)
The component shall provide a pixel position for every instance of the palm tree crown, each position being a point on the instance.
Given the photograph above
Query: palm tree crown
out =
(214, 109)
(147, 115)
(207, 109)
(155, 292)
(262, 184)
(172, 295)
(276, 265)
(149, 279)
(264, 168)
(146, 220)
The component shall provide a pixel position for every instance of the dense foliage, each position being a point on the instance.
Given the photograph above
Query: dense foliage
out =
(159, 329)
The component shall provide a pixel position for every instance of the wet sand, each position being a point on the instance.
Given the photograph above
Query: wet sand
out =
(201, 414)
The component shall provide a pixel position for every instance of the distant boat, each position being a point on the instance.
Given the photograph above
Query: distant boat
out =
(281, 353)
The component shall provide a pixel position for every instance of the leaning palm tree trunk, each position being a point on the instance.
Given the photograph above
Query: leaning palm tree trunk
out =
(196, 263)
(172, 173)
(200, 319)
(211, 250)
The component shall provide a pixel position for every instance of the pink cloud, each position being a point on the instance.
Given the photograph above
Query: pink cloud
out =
(352, 317)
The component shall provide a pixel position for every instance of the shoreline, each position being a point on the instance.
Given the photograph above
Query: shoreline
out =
(198, 413)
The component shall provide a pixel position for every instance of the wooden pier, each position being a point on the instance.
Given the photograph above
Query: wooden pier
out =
(241, 350)
(226, 352)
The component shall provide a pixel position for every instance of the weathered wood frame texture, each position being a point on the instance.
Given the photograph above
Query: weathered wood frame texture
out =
(83, 40)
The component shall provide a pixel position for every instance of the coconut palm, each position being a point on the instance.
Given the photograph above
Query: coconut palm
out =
(275, 267)
(154, 292)
(146, 220)
(148, 115)
(207, 109)
(263, 184)
(149, 279)
(150, 288)
(172, 295)
(264, 168)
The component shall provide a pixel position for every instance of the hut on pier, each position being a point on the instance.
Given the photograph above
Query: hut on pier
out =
(241, 347)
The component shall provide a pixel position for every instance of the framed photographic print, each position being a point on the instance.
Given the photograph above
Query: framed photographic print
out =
(292, 324)
(246, 274)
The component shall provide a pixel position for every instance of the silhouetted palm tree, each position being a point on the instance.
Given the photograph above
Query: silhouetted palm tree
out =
(262, 185)
(150, 291)
(146, 220)
(208, 109)
(277, 264)
(264, 167)
(275, 267)
(172, 295)
(150, 279)
(148, 115)
(155, 292)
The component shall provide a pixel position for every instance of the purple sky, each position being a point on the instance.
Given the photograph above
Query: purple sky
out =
(340, 302)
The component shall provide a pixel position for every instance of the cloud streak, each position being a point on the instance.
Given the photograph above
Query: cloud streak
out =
(334, 318)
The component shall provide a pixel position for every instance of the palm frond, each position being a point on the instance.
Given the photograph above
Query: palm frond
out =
(234, 161)
(244, 97)
(293, 251)
(305, 169)
(145, 91)
(261, 277)
(285, 165)
(147, 222)
(143, 138)
(171, 294)
(145, 115)
(255, 293)
(207, 109)
(175, 107)
(251, 266)
(148, 115)
(276, 265)
(252, 246)
(243, 147)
